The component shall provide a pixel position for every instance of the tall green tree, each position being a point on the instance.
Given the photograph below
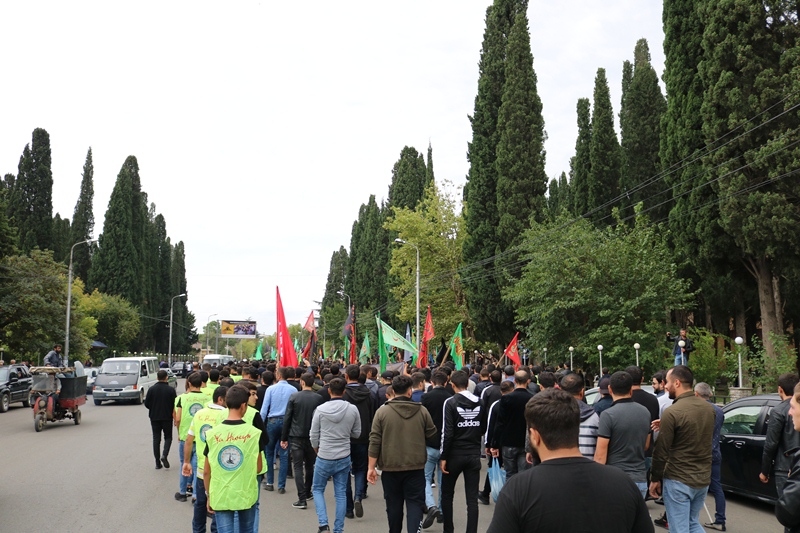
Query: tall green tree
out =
(429, 177)
(409, 177)
(118, 321)
(83, 221)
(581, 163)
(337, 277)
(750, 73)
(62, 237)
(643, 106)
(31, 200)
(164, 277)
(603, 154)
(489, 315)
(184, 333)
(8, 233)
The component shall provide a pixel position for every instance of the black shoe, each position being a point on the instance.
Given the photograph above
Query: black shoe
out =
(659, 501)
(358, 508)
(269, 487)
(189, 489)
(165, 462)
(322, 529)
(662, 522)
(180, 497)
(483, 498)
(310, 496)
(349, 514)
(281, 491)
(300, 504)
(719, 526)
(430, 517)
(440, 519)
(158, 466)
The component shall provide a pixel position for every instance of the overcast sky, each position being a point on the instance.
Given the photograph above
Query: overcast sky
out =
(261, 127)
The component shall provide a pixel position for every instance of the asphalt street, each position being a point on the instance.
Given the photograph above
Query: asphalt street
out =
(100, 476)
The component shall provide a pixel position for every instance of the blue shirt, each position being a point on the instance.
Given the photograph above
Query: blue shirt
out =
(276, 398)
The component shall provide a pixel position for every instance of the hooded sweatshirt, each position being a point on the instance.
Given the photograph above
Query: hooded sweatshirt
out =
(398, 435)
(365, 402)
(464, 426)
(334, 424)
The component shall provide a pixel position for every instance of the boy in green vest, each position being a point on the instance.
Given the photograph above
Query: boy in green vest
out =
(186, 406)
(203, 420)
(232, 460)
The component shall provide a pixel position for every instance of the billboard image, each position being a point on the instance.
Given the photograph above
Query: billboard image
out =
(238, 329)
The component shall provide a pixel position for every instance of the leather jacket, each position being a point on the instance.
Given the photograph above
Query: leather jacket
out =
(781, 437)
(787, 508)
(299, 412)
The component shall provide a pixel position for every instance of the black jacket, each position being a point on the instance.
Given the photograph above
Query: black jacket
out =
(299, 412)
(160, 401)
(787, 509)
(360, 396)
(464, 425)
(491, 394)
(781, 437)
(511, 427)
(433, 401)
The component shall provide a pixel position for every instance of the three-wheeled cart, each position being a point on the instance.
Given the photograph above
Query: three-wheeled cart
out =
(56, 395)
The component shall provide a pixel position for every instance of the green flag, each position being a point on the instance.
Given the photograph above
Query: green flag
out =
(383, 355)
(457, 348)
(363, 356)
(258, 356)
(392, 338)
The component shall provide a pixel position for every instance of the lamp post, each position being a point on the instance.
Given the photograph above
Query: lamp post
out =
(401, 241)
(739, 341)
(571, 349)
(171, 308)
(682, 343)
(545, 356)
(69, 299)
(600, 349)
(636, 347)
(348, 301)
(208, 347)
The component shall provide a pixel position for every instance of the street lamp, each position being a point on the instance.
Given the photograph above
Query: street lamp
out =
(739, 341)
(636, 347)
(545, 356)
(401, 241)
(171, 307)
(600, 349)
(348, 302)
(208, 346)
(69, 299)
(682, 343)
(571, 349)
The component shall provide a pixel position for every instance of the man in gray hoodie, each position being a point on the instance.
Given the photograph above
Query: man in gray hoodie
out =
(333, 425)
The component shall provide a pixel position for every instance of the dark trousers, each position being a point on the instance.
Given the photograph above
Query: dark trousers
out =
(360, 462)
(303, 456)
(715, 488)
(159, 427)
(470, 466)
(407, 486)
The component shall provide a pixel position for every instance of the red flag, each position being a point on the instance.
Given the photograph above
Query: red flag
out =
(353, 346)
(310, 323)
(287, 355)
(512, 352)
(422, 361)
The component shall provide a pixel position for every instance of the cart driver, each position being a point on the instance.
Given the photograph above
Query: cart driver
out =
(53, 358)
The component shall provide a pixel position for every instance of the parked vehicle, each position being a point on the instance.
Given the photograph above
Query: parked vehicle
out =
(91, 375)
(179, 369)
(218, 360)
(15, 386)
(742, 445)
(125, 378)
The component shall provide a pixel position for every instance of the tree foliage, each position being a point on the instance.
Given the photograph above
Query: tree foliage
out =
(581, 163)
(117, 320)
(83, 221)
(409, 179)
(603, 152)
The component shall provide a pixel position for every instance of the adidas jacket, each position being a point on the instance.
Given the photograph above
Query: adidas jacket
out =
(464, 423)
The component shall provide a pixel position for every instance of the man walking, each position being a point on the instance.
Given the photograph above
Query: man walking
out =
(433, 401)
(703, 391)
(333, 425)
(462, 433)
(587, 436)
(682, 455)
(781, 436)
(276, 398)
(508, 436)
(186, 406)
(624, 432)
(544, 498)
(357, 393)
(297, 425)
(160, 401)
(397, 446)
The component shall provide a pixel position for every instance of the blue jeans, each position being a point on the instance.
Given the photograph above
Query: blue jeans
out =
(245, 518)
(184, 481)
(339, 469)
(681, 359)
(431, 466)
(716, 490)
(683, 505)
(360, 461)
(274, 429)
(200, 518)
(642, 486)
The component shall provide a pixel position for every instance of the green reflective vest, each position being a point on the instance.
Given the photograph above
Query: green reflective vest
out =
(190, 403)
(205, 419)
(233, 458)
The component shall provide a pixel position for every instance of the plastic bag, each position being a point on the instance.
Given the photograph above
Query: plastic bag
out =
(497, 478)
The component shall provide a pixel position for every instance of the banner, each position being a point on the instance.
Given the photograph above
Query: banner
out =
(392, 338)
(512, 352)
(426, 336)
(238, 329)
(457, 348)
(286, 353)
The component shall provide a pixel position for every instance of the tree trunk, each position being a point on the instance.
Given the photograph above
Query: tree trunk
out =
(766, 300)
(776, 291)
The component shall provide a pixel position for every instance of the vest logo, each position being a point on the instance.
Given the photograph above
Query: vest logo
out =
(194, 408)
(203, 430)
(469, 417)
(230, 458)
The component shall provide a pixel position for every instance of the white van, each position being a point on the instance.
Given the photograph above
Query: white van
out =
(125, 378)
(218, 359)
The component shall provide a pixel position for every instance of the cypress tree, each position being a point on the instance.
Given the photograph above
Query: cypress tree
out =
(183, 320)
(640, 124)
(521, 178)
(21, 199)
(8, 233)
(581, 163)
(368, 263)
(41, 214)
(604, 152)
(409, 177)
(83, 221)
(337, 276)
(564, 193)
(62, 235)
(164, 293)
(553, 197)
(429, 178)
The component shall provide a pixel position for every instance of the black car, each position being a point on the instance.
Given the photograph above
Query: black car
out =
(15, 386)
(742, 440)
(179, 369)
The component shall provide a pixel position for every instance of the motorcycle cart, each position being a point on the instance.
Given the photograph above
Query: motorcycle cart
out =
(46, 408)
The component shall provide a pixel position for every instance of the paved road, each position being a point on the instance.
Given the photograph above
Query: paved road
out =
(99, 476)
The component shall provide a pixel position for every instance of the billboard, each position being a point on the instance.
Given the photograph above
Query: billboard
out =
(238, 329)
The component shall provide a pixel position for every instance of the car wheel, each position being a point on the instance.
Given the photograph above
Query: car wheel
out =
(140, 399)
(98, 402)
(38, 422)
(77, 417)
(27, 401)
(5, 401)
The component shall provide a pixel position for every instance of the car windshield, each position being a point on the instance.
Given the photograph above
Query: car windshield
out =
(120, 367)
(3, 374)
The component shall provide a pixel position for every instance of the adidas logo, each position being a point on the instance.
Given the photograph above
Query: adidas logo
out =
(469, 423)
(469, 414)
